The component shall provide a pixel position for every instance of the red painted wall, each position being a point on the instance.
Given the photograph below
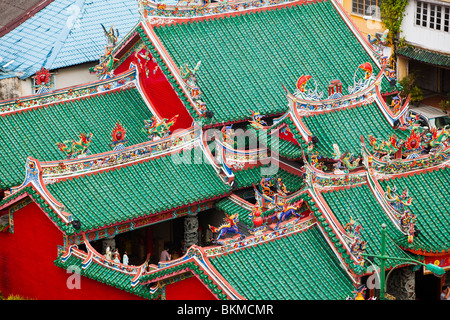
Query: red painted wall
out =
(158, 90)
(188, 289)
(27, 268)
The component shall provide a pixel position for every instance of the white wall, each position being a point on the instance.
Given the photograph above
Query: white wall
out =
(64, 77)
(425, 37)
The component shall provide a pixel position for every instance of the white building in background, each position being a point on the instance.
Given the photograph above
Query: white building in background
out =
(426, 29)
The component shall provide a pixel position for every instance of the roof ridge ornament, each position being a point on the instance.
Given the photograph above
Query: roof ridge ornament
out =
(76, 149)
(159, 13)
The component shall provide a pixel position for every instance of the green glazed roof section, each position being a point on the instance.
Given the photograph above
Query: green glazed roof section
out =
(360, 204)
(423, 55)
(36, 132)
(284, 269)
(345, 127)
(246, 59)
(108, 276)
(431, 203)
(230, 207)
(140, 190)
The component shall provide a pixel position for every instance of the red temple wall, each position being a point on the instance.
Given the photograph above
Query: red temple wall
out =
(159, 91)
(27, 268)
(188, 289)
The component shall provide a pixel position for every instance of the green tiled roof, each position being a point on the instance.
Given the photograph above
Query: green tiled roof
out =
(344, 127)
(108, 276)
(285, 149)
(424, 56)
(360, 204)
(431, 204)
(139, 190)
(35, 132)
(246, 59)
(298, 267)
(231, 207)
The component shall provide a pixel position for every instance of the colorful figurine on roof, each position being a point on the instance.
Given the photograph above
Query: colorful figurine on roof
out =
(257, 122)
(229, 227)
(111, 36)
(228, 135)
(74, 149)
(346, 161)
(401, 204)
(396, 104)
(281, 187)
(257, 221)
(143, 60)
(354, 240)
(118, 137)
(158, 129)
(366, 81)
(413, 148)
(436, 140)
(367, 68)
(379, 41)
(288, 211)
(302, 82)
(42, 81)
(382, 147)
(303, 92)
(104, 69)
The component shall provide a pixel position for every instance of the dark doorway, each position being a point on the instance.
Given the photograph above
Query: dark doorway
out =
(428, 287)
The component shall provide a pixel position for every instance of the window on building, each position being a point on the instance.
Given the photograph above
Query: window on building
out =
(367, 8)
(446, 18)
(433, 16)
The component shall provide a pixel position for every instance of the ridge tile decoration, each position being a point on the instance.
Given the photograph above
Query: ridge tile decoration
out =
(157, 129)
(158, 13)
(418, 149)
(229, 227)
(37, 130)
(400, 204)
(74, 149)
(123, 80)
(306, 99)
(144, 151)
(241, 49)
(140, 190)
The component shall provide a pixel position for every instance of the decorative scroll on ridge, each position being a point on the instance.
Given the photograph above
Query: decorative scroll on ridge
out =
(61, 169)
(159, 13)
(124, 80)
(306, 99)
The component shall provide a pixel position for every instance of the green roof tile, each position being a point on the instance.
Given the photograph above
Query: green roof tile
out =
(246, 59)
(360, 204)
(35, 132)
(431, 203)
(426, 56)
(285, 269)
(345, 127)
(139, 190)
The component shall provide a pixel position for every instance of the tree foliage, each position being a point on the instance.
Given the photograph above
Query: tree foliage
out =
(392, 13)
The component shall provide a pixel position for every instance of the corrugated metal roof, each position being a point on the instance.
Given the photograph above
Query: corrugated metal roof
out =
(64, 33)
